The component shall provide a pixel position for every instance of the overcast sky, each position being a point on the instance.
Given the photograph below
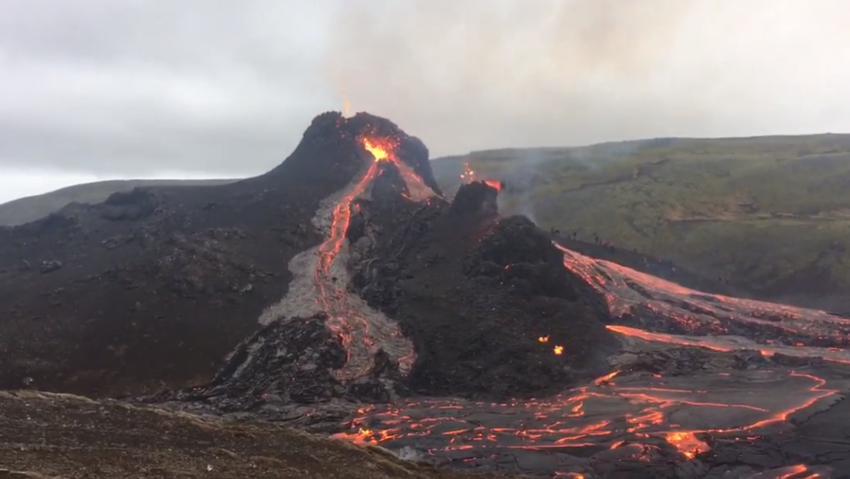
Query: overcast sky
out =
(96, 89)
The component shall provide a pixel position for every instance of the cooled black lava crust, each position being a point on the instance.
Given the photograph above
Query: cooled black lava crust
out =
(475, 292)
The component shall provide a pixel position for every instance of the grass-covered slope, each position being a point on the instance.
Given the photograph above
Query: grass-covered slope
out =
(31, 208)
(770, 213)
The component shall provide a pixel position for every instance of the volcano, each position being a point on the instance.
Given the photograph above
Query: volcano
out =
(343, 294)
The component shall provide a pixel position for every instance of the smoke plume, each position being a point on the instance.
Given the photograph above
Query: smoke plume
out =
(480, 74)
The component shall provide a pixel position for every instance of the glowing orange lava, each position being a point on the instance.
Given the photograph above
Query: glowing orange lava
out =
(497, 185)
(573, 419)
(565, 423)
(468, 173)
(341, 321)
(380, 150)
(346, 322)
(468, 176)
(687, 443)
(796, 472)
(692, 318)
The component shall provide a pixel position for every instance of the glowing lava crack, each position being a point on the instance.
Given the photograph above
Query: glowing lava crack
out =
(321, 276)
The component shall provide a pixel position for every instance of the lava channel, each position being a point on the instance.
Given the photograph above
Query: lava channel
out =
(321, 277)
(653, 309)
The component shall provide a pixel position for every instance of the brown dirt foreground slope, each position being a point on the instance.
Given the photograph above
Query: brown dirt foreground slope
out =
(58, 435)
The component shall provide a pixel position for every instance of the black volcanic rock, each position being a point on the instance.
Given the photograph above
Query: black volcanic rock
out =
(518, 240)
(131, 205)
(331, 129)
(475, 293)
(523, 257)
(157, 285)
(475, 203)
(283, 367)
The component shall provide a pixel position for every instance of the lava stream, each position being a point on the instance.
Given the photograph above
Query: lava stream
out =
(643, 302)
(730, 344)
(621, 409)
(353, 326)
(629, 411)
(340, 318)
(638, 413)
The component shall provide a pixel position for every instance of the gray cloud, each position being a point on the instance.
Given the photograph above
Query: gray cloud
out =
(220, 87)
(478, 74)
(137, 87)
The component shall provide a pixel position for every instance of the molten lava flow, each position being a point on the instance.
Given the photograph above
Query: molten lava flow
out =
(711, 320)
(632, 410)
(646, 306)
(381, 152)
(360, 336)
(497, 185)
(383, 149)
(342, 320)
(637, 410)
(791, 472)
(687, 443)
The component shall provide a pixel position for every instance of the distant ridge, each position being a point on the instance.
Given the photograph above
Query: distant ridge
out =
(31, 208)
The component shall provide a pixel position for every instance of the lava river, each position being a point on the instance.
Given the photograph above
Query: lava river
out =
(657, 310)
(321, 274)
(355, 328)
(684, 377)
